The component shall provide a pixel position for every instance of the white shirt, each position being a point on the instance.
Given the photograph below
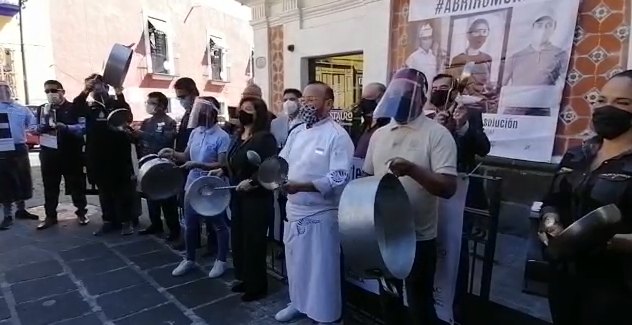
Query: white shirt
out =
(322, 155)
(424, 61)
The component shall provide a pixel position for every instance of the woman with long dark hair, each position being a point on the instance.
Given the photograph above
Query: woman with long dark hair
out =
(252, 206)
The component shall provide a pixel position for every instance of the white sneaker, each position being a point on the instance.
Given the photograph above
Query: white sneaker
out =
(287, 314)
(184, 267)
(218, 269)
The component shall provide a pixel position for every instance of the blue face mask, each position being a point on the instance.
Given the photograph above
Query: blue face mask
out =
(186, 102)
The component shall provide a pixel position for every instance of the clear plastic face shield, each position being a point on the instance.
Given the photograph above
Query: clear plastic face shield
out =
(203, 113)
(6, 95)
(404, 98)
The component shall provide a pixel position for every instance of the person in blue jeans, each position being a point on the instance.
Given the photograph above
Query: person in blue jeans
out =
(205, 151)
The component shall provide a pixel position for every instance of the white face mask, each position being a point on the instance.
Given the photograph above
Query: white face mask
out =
(150, 109)
(53, 98)
(290, 107)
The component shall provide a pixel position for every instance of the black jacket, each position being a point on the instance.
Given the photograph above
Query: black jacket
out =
(69, 142)
(473, 143)
(108, 151)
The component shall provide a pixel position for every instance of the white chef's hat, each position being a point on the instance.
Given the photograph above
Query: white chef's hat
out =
(425, 30)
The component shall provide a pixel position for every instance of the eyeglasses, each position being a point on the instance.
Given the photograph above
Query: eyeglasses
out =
(51, 91)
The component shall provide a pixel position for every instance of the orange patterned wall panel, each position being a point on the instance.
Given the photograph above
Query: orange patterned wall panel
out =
(275, 59)
(600, 50)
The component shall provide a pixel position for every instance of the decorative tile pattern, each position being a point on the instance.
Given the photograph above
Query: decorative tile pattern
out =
(601, 50)
(275, 58)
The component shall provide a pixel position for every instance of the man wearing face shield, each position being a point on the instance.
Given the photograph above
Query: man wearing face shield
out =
(423, 154)
(206, 151)
(61, 126)
(319, 153)
(16, 184)
(109, 156)
(157, 132)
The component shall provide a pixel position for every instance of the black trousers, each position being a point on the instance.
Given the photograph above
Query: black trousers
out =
(168, 208)
(54, 167)
(251, 213)
(118, 202)
(419, 288)
(580, 297)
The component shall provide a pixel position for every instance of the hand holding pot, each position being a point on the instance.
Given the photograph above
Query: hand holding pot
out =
(399, 166)
(550, 226)
(166, 153)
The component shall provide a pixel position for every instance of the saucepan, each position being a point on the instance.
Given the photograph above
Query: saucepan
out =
(117, 65)
(377, 227)
(210, 195)
(272, 173)
(592, 231)
(159, 178)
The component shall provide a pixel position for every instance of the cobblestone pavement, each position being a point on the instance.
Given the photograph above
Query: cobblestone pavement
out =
(66, 276)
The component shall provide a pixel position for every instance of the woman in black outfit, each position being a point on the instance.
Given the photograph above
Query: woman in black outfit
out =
(251, 206)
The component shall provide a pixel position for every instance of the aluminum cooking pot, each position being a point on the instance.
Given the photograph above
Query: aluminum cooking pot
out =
(272, 173)
(592, 231)
(120, 118)
(117, 65)
(159, 178)
(377, 227)
(208, 196)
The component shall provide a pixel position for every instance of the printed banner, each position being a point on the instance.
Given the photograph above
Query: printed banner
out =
(513, 54)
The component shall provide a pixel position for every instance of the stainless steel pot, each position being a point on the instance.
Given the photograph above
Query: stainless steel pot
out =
(272, 173)
(592, 231)
(159, 178)
(117, 65)
(208, 195)
(377, 227)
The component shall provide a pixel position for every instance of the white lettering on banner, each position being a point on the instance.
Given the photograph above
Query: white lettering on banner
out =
(519, 52)
(342, 117)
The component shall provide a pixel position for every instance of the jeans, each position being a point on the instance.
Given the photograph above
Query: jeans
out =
(8, 208)
(192, 228)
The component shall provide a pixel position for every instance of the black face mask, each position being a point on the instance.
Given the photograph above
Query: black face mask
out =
(439, 98)
(246, 118)
(610, 122)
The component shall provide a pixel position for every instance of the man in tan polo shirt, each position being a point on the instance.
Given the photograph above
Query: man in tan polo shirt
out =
(423, 154)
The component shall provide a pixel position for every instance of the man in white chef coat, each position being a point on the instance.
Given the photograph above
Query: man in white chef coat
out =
(424, 58)
(423, 154)
(319, 154)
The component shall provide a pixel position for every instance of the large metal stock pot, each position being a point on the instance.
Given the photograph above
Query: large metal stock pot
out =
(159, 178)
(377, 227)
(117, 65)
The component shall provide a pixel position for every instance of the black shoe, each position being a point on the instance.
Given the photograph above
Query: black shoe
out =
(6, 223)
(47, 223)
(239, 287)
(82, 219)
(106, 228)
(25, 215)
(253, 296)
(173, 236)
(151, 230)
(127, 229)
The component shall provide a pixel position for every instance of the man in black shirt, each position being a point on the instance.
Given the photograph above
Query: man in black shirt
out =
(109, 157)
(61, 126)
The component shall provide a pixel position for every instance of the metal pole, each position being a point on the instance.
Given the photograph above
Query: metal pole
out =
(23, 54)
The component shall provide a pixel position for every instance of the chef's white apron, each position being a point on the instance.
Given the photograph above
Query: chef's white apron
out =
(449, 235)
(312, 255)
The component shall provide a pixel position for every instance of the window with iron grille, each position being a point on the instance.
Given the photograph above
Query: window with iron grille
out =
(217, 60)
(158, 48)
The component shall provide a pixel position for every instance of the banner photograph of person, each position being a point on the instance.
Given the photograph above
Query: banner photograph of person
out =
(511, 55)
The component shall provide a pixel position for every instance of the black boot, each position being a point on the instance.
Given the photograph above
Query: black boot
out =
(25, 215)
(6, 223)
(47, 223)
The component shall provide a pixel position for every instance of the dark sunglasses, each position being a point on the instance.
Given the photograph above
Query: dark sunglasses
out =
(51, 91)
